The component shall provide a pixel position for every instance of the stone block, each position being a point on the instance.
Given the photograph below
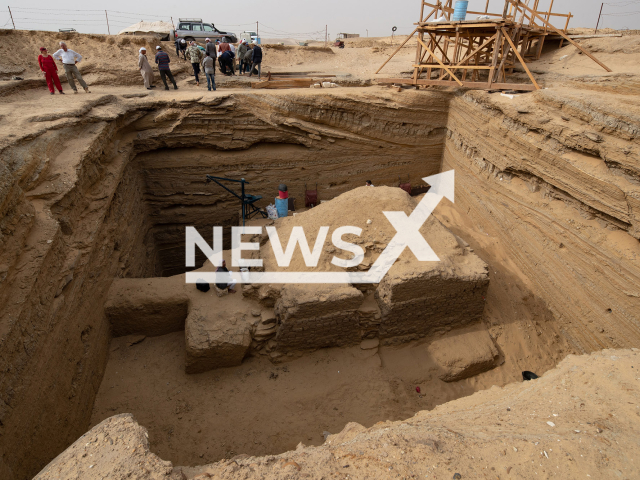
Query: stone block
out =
(464, 355)
(216, 338)
(151, 306)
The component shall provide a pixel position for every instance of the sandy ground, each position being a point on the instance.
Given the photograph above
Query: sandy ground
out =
(112, 60)
(579, 420)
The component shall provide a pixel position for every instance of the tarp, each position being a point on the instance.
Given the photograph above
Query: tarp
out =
(147, 27)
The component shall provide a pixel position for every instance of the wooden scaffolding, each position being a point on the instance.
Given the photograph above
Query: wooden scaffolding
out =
(481, 53)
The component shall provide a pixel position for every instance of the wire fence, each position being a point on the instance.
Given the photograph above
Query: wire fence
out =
(113, 21)
(620, 4)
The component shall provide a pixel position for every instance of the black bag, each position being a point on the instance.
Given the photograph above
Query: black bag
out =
(202, 286)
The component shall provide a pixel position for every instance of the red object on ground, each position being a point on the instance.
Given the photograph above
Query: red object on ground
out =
(282, 194)
(418, 389)
(406, 187)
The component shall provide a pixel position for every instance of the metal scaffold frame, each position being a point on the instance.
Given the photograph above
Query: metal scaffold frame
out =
(481, 53)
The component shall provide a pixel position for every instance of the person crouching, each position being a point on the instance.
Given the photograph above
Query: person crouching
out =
(226, 63)
(229, 281)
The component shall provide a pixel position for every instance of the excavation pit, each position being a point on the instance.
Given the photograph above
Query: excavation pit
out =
(99, 206)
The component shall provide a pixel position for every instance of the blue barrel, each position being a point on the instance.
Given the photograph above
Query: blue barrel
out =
(460, 11)
(282, 206)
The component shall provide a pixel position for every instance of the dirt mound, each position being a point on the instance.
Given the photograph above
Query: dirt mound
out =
(101, 53)
(363, 208)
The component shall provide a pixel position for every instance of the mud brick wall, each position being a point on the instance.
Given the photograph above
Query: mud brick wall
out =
(438, 303)
(320, 317)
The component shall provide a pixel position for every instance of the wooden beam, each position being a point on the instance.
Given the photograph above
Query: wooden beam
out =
(515, 50)
(437, 44)
(292, 83)
(561, 33)
(461, 67)
(398, 49)
(525, 87)
(441, 64)
(485, 44)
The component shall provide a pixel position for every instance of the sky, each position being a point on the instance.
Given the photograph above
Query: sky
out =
(285, 18)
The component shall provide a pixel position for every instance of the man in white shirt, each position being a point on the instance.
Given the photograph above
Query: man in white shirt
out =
(69, 58)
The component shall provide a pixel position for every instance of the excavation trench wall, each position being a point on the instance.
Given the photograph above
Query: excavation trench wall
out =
(106, 192)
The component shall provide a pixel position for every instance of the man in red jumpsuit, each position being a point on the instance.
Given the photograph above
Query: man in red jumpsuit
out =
(50, 69)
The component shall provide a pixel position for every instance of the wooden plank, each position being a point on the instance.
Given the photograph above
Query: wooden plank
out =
(292, 83)
(595, 36)
(525, 87)
(496, 53)
(547, 24)
(437, 44)
(441, 64)
(458, 66)
(397, 50)
(449, 25)
(515, 50)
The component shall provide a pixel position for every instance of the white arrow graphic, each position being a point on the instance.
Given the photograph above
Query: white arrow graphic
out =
(407, 235)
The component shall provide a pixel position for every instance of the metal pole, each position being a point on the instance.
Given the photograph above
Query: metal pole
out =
(108, 29)
(598, 24)
(326, 30)
(257, 30)
(11, 15)
(242, 183)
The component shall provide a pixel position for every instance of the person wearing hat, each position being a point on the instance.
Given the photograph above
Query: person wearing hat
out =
(183, 48)
(195, 57)
(145, 69)
(50, 70)
(242, 51)
(163, 60)
(224, 46)
(210, 48)
(257, 59)
(69, 60)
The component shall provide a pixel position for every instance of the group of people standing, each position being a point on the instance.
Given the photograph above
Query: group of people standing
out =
(249, 58)
(69, 60)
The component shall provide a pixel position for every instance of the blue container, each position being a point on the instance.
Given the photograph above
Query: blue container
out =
(282, 206)
(460, 11)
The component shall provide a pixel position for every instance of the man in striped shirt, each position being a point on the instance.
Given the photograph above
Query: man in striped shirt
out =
(163, 60)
